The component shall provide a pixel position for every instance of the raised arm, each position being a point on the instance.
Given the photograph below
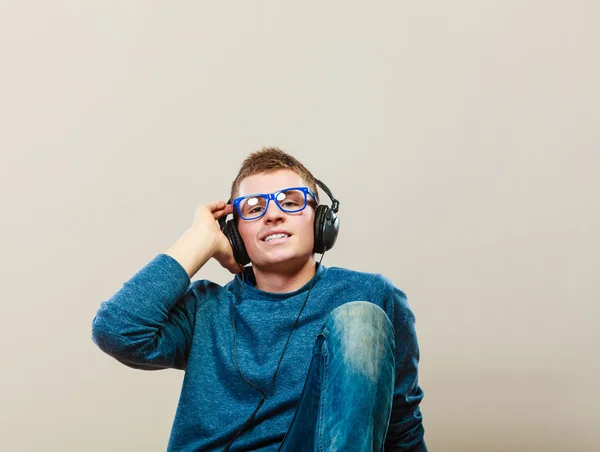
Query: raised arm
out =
(148, 324)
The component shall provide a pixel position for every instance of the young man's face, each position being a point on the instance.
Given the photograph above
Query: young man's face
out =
(298, 246)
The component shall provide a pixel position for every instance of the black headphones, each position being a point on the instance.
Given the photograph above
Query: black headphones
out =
(326, 229)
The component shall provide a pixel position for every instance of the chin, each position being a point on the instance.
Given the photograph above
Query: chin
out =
(282, 260)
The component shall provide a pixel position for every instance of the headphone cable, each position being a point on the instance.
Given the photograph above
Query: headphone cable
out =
(264, 393)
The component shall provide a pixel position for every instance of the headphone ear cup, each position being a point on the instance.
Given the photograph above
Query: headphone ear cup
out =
(326, 229)
(237, 244)
(320, 216)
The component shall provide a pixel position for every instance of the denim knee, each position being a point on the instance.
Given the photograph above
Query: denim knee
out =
(361, 333)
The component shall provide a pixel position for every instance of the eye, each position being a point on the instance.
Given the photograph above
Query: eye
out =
(291, 199)
(257, 209)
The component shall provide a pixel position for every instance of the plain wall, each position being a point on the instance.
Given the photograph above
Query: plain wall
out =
(461, 138)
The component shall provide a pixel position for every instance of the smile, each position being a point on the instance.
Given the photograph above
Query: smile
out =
(275, 237)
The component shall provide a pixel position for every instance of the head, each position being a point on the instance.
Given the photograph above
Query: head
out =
(268, 171)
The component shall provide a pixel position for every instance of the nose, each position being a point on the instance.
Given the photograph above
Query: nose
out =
(273, 214)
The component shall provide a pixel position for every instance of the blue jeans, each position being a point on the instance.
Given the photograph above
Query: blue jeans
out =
(347, 397)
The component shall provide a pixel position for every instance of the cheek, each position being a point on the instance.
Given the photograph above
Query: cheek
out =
(245, 230)
(308, 229)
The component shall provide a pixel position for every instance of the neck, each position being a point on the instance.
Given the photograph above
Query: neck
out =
(283, 279)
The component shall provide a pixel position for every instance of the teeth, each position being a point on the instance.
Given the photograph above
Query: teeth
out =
(275, 236)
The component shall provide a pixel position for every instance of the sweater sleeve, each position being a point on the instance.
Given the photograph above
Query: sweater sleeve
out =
(405, 431)
(148, 323)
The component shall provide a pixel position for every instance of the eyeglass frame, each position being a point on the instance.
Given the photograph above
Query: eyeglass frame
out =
(273, 196)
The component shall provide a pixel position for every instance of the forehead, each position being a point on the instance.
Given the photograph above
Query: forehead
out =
(270, 182)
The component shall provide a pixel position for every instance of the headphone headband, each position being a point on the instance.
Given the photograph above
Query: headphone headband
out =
(334, 202)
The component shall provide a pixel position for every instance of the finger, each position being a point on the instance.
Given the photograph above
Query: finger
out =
(216, 205)
(218, 208)
(224, 211)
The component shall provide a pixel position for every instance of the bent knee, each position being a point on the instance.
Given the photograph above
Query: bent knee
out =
(361, 315)
(364, 335)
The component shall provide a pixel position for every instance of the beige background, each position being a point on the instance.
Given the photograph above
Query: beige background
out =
(461, 138)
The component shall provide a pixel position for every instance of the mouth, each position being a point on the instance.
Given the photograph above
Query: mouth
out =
(276, 237)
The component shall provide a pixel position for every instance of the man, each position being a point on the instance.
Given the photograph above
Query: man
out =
(289, 355)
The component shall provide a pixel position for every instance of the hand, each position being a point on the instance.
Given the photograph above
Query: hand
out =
(205, 220)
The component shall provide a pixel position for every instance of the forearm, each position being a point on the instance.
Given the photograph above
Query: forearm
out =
(192, 250)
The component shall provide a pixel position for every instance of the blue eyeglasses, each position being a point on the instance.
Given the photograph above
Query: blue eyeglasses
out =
(289, 200)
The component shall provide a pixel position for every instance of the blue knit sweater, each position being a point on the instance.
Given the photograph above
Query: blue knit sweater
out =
(159, 320)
